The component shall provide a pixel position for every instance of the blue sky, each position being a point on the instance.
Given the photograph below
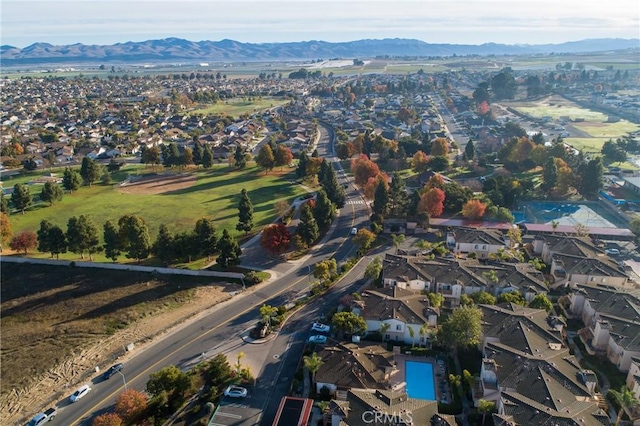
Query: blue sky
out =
(24, 22)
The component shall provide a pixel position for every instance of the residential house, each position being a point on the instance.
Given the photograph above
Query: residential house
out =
(482, 242)
(404, 312)
(633, 377)
(530, 374)
(612, 321)
(346, 366)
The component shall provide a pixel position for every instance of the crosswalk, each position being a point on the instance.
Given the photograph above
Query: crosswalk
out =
(355, 202)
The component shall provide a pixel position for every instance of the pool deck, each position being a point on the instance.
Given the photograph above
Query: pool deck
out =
(398, 379)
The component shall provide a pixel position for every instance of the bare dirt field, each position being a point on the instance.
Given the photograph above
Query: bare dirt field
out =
(158, 184)
(58, 324)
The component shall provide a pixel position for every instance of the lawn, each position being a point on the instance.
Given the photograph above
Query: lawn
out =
(607, 130)
(587, 145)
(557, 111)
(214, 194)
(238, 106)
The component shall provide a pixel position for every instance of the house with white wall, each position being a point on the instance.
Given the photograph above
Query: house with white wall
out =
(482, 242)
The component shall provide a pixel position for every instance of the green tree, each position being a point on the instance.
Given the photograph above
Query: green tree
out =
(206, 238)
(51, 238)
(134, 237)
(207, 157)
(82, 235)
(550, 173)
(504, 85)
(364, 238)
(307, 228)
(512, 297)
(51, 192)
(229, 251)
(90, 171)
(326, 269)
(626, 399)
(485, 407)
(324, 211)
(111, 241)
(71, 180)
(436, 299)
(4, 204)
(163, 247)
(380, 199)
(397, 240)
(245, 213)
(462, 329)
(335, 192)
(21, 197)
(349, 323)
(541, 301)
(313, 364)
(267, 312)
(398, 197)
(301, 170)
(470, 150)
(592, 176)
(412, 334)
(239, 158)
(265, 158)
(374, 269)
(483, 298)
(170, 381)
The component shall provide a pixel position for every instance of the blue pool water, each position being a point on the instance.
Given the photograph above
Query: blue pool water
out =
(419, 379)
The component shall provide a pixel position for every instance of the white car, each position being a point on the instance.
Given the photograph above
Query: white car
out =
(322, 328)
(235, 392)
(354, 231)
(612, 252)
(320, 340)
(82, 391)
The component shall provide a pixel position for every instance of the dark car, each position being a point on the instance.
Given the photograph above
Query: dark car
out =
(112, 370)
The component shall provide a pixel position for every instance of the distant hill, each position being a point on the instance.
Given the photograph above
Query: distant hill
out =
(175, 49)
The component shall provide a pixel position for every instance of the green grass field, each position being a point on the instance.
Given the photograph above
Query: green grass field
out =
(239, 106)
(215, 194)
(557, 111)
(587, 145)
(607, 130)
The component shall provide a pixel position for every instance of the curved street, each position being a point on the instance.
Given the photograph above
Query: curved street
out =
(220, 329)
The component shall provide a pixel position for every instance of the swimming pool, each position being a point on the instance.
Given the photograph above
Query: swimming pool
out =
(419, 379)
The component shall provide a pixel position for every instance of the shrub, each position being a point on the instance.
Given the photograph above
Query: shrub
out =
(251, 278)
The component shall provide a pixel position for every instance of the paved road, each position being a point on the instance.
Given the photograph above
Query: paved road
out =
(223, 325)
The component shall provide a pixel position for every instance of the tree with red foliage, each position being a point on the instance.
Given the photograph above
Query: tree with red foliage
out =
(432, 202)
(363, 169)
(369, 188)
(275, 238)
(483, 108)
(108, 419)
(283, 155)
(24, 241)
(474, 209)
(420, 162)
(131, 405)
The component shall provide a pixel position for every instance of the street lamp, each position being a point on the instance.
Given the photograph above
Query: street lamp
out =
(124, 381)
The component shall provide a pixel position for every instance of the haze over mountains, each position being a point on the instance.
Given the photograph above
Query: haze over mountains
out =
(180, 50)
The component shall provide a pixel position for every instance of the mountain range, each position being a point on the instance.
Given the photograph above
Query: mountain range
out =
(171, 50)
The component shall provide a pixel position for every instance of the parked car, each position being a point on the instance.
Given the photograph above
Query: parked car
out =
(322, 328)
(42, 418)
(354, 231)
(81, 392)
(235, 392)
(112, 370)
(318, 339)
(612, 252)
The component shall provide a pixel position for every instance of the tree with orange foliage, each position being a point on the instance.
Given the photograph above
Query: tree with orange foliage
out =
(434, 181)
(131, 405)
(275, 238)
(440, 147)
(108, 419)
(432, 202)
(369, 188)
(474, 209)
(5, 229)
(363, 169)
(483, 108)
(420, 162)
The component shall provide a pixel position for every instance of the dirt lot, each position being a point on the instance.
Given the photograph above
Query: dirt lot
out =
(59, 323)
(158, 184)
